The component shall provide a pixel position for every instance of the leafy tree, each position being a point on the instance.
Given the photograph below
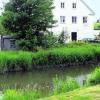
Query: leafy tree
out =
(27, 18)
(2, 29)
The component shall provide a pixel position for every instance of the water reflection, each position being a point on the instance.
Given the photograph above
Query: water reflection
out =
(42, 79)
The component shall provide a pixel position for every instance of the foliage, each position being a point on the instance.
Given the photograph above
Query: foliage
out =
(21, 95)
(13, 61)
(94, 77)
(85, 93)
(97, 26)
(67, 54)
(48, 40)
(27, 18)
(60, 85)
(2, 29)
(28, 44)
(63, 37)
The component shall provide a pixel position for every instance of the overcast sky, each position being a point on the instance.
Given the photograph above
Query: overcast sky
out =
(93, 4)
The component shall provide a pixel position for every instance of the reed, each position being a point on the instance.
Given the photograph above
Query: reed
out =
(62, 86)
(94, 77)
(67, 54)
(21, 95)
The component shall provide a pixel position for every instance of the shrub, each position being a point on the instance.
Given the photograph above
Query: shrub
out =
(61, 85)
(94, 77)
(48, 40)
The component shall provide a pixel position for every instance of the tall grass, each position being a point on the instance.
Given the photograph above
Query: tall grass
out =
(67, 54)
(61, 86)
(21, 95)
(94, 77)
(10, 61)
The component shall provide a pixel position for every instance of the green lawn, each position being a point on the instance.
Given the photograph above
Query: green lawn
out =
(90, 93)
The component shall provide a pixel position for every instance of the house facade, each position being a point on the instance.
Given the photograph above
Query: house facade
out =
(74, 18)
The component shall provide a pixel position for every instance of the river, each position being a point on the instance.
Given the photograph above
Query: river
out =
(43, 79)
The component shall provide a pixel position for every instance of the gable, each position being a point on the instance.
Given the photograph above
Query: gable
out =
(92, 12)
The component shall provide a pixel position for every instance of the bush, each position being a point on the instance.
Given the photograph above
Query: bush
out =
(94, 77)
(28, 45)
(48, 40)
(60, 85)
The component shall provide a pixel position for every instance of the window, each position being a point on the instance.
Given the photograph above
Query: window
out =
(73, 5)
(74, 19)
(62, 19)
(84, 19)
(62, 5)
(12, 43)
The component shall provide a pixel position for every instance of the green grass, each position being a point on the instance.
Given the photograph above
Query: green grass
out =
(94, 77)
(10, 61)
(64, 85)
(87, 93)
(21, 95)
(66, 54)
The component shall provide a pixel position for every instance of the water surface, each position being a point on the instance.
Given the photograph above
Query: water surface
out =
(43, 79)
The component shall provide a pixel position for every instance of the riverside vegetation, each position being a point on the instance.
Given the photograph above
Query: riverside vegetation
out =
(62, 90)
(69, 54)
(76, 53)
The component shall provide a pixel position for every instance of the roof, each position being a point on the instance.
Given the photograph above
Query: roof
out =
(93, 13)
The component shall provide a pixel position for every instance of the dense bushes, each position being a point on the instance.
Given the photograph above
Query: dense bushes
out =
(68, 55)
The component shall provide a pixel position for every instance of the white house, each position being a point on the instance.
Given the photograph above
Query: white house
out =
(74, 17)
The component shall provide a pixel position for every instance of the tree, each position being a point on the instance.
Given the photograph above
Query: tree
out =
(27, 18)
(2, 29)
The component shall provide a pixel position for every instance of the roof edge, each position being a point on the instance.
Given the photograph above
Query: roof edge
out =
(93, 13)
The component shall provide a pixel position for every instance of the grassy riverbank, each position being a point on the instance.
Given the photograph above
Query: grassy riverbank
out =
(62, 90)
(86, 93)
(89, 93)
(69, 55)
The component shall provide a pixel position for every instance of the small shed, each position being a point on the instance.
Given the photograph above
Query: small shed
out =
(8, 43)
